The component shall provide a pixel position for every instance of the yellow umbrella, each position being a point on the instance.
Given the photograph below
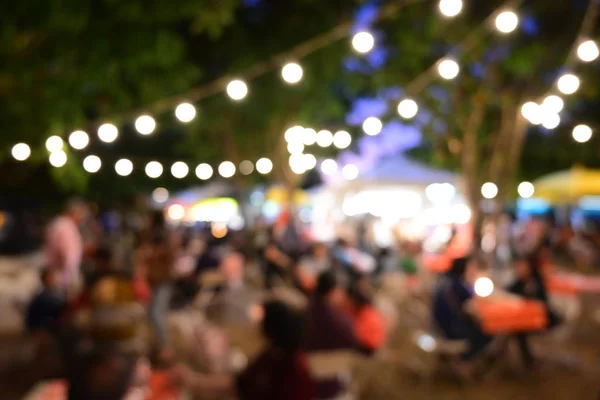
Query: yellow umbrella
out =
(569, 185)
(280, 195)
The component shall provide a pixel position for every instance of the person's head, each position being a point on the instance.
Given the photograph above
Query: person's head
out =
(360, 295)
(463, 268)
(284, 325)
(232, 266)
(329, 287)
(49, 278)
(77, 209)
(319, 251)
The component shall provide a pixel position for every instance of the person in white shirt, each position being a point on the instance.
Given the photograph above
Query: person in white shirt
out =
(64, 245)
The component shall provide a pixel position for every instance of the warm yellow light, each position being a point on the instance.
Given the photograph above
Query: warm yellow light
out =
(507, 21)
(408, 108)
(324, 138)
(309, 136)
(363, 42)
(329, 167)
(79, 140)
(124, 167)
(292, 73)
(582, 133)
(526, 189)
(372, 126)
(21, 151)
(185, 112)
(342, 139)
(264, 166)
(489, 190)
(227, 169)
(588, 51)
(204, 171)
(92, 164)
(58, 158)
(145, 124)
(54, 144)
(295, 147)
(154, 169)
(180, 170)
(568, 84)
(108, 133)
(176, 212)
(237, 90)
(450, 8)
(550, 120)
(160, 195)
(246, 167)
(448, 69)
(350, 172)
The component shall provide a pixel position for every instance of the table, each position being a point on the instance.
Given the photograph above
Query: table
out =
(571, 283)
(509, 314)
(159, 390)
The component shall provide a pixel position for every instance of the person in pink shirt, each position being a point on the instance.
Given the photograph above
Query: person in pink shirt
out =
(64, 245)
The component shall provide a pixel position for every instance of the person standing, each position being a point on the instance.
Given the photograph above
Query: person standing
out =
(64, 245)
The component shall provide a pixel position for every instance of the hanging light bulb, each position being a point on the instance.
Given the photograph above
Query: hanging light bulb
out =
(507, 21)
(237, 90)
(568, 84)
(92, 164)
(21, 151)
(58, 158)
(264, 166)
(489, 190)
(531, 111)
(297, 163)
(309, 136)
(408, 108)
(108, 133)
(450, 8)
(227, 169)
(342, 139)
(448, 69)
(582, 133)
(54, 144)
(550, 121)
(145, 124)
(310, 161)
(329, 167)
(295, 147)
(204, 171)
(588, 51)
(185, 112)
(363, 42)
(246, 167)
(526, 190)
(553, 104)
(154, 169)
(160, 195)
(294, 134)
(124, 167)
(292, 73)
(372, 126)
(179, 170)
(79, 140)
(324, 138)
(350, 172)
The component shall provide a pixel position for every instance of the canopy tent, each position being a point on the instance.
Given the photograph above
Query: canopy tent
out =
(198, 193)
(569, 185)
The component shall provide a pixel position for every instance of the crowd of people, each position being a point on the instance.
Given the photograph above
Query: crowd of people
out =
(146, 273)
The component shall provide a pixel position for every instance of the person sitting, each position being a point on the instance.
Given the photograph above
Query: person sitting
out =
(45, 309)
(311, 266)
(280, 372)
(329, 328)
(530, 285)
(369, 324)
(449, 315)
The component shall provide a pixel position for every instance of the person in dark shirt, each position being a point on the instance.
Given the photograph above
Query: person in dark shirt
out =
(449, 315)
(46, 307)
(330, 328)
(280, 372)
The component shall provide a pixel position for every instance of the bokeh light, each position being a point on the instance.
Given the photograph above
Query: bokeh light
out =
(160, 195)
(145, 124)
(292, 73)
(294, 134)
(108, 133)
(58, 158)
(226, 169)
(310, 161)
(79, 140)
(324, 138)
(92, 164)
(246, 167)
(553, 104)
(588, 51)
(484, 287)
(526, 190)
(237, 90)
(297, 163)
(264, 166)
(180, 170)
(185, 112)
(582, 133)
(568, 84)
(372, 126)
(342, 139)
(350, 172)
(450, 8)
(21, 151)
(204, 171)
(448, 69)
(489, 190)
(329, 167)
(54, 144)
(295, 147)
(176, 212)
(309, 136)
(550, 120)
(507, 21)
(363, 42)
(124, 167)
(154, 169)
(408, 108)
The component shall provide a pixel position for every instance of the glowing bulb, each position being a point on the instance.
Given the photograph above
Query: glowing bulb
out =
(246, 167)
(568, 84)
(324, 138)
(237, 90)
(124, 167)
(185, 112)
(588, 51)
(342, 139)
(79, 140)
(489, 190)
(58, 158)
(507, 21)
(180, 170)
(21, 151)
(264, 166)
(363, 42)
(408, 108)
(54, 144)
(176, 212)
(292, 73)
(448, 69)
(582, 133)
(295, 147)
(531, 112)
(227, 169)
(329, 167)
(160, 195)
(372, 126)
(310, 161)
(450, 8)
(553, 104)
(92, 164)
(526, 189)
(297, 163)
(145, 124)
(294, 134)
(550, 121)
(108, 133)
(204, 171)
(154, 169)
(350, 172)
(309, 136)
(484, 287)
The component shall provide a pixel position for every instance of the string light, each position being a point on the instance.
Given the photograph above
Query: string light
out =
(408, 108)
(294, 134)
(58, 158)
(582, 133)
(21, 151)
(204, 171)
(553, 104)
(588, 51)
(363, 42)
(448, 69)
(292, 73)
(324, 138)
(526, 190)
(372, 126)
(550, 121)
(185, 112)
(531, 112)
(246, 167)
(237, 90)
(507, 21)
(108, 133)
(264, 166)
(350, 172)
(450, 8)
(310, 161)
(297, 164)
(92, 164)
(79, 140)
(154, 169)
(568, 84)
(295, 147)
(329, 167)
(180, 170)
(160, 195)
(145, 124)
(176, 212)
(124, 167)
(489, 190)
(54, 144)
(309, 136)
(226, 169)
(342, 139)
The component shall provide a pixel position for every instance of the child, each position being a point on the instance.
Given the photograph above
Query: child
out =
(46, 307)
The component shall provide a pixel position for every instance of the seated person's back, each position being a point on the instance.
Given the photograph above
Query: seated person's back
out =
(46, 306)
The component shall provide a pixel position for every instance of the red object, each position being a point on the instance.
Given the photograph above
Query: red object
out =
(161, 387)
(370, 327)
(438, 263)
(573, 284)
(509, 316)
